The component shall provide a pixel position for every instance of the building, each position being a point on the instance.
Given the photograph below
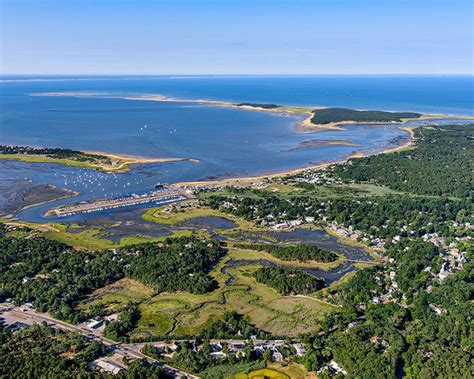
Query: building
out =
(300, 349)
(277, 356)
(18, 325)
(107, 366)
(95, 323)
(337, 368)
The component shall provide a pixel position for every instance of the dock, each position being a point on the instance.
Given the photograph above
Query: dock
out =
(161, 197)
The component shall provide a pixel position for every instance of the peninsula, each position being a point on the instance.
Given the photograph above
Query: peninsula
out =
(315, 118)
(97, 160)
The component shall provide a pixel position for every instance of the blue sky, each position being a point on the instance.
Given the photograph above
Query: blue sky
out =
(236, 37)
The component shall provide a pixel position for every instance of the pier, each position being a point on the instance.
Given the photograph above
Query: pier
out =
(160, 197)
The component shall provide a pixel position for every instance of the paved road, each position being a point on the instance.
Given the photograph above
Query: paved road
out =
(125, 350)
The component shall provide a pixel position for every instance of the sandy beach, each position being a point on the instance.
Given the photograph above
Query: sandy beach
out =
(117, 163)
(122, 161)
(304, 126)
(250, 179)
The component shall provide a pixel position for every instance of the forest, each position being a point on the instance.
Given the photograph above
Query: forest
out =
(301, 252)
(126, 322)
(390, 340)
(231, 325)
(442, 164)
(54, 277)
(378, 216)
(335, 115)
(51, 275)
(288, 282)
(258, 105)
(178, 264)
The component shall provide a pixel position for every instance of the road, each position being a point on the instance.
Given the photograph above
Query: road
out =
(30, 316)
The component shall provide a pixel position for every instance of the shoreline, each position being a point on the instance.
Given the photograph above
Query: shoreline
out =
(319, 166)
(315, 143)
(119, 163)
(71, 194)
(66, 194)
(303, 126)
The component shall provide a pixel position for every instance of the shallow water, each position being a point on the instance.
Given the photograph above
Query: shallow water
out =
(329, 276)
(210, 222)
(227, 141)
(128, 223)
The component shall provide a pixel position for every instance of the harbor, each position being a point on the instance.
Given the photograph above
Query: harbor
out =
(162, 196)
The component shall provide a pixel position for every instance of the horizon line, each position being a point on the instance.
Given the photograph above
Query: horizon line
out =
(223, 75)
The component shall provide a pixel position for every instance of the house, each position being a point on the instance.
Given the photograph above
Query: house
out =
(107, 366)
(337, 368)
(218, 355)
(18, 325)
(280, 226)
(379, 342)
(295, 222)
(112, 317)
(351, 325)
(300, 349)
(427, 353)
(236, 346)
(94, 323)
(216, 346)
(277, 356)
(259, 349)
(437, 310)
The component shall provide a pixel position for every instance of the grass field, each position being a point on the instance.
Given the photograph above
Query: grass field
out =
(239, 253)
(262, 374)
(180, 313)
(117, 294)
(176, 218)
(292, 370)
(94, 238)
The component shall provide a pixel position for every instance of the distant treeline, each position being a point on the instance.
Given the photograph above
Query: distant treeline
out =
(258, 105)
(53, 152)
(302, 252)
(334, 115)
(288, 281)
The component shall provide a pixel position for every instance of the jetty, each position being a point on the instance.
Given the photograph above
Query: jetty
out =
(160, 197)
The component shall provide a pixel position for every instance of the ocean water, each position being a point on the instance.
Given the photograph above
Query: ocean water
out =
(228, 142)
(426, 93)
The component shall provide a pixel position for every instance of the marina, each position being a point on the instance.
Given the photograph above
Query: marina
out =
(160, 197)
